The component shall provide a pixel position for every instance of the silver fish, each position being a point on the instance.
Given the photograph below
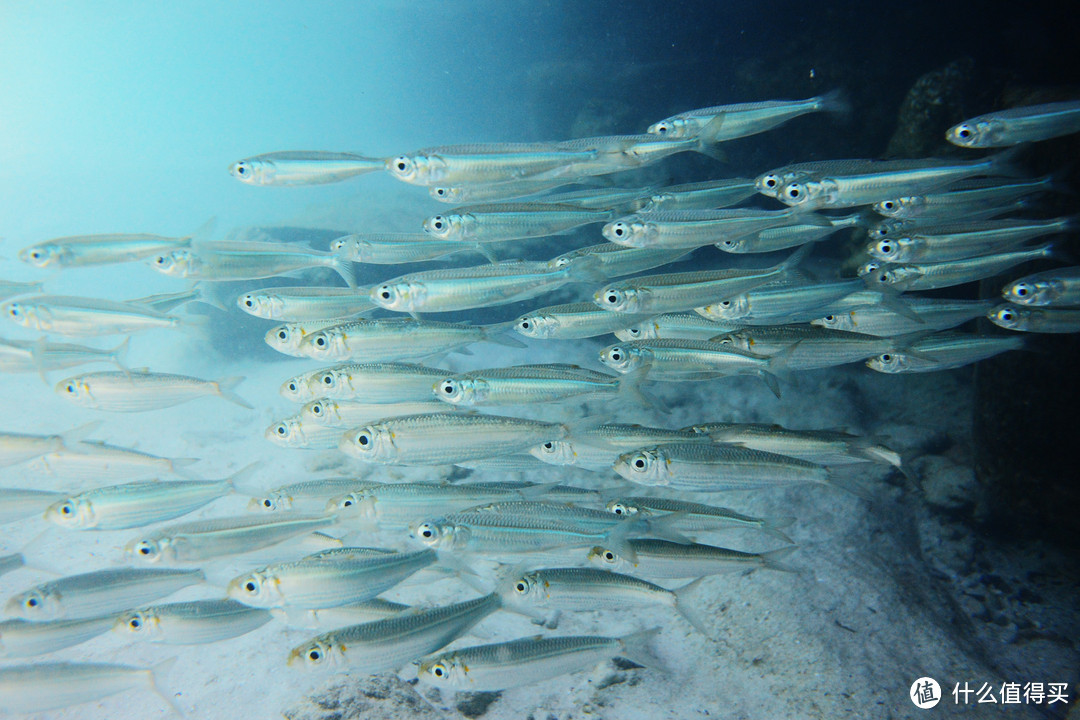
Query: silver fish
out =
(1052, 288)
(696, 517)
(936, 204)
(141, 390)
(87, 250)
(18, 447)
(688, 229)
(367, 382)
(449, 289)
(944, 352)
(787, 236)
(54, 685)
(17, 503)
(303, 167)
(441, 438)
(396, 339)
(599, 447)
(94, 460)
(616, 260)
(935, 314)
(498, 222)
(570, 322)
(299, 304)
(946, 243)
(247, 260)
(527, 384)
(773, 304)
(191, 623)
(1017, 125)
(381, 645)
(675, 326)
(288, 337)
(11, 562)
(496, 192)
(397, 504)
(98, 592)
(930, 276)
(701, 195)
(488, 532)
(743, 119)
(331, 578)
(306, 492)
(663, 559)
(900, 226)
(215, 537)
(396, 248)
(24, 638)
(1036, 319)
(683, 291)
(823, 447)
(807, 348)
(336, 617)
(42, 356)
(84, 317)
(295, 432)
(602, 198)
(344, 413)
(512, 664)
(705, 467)
(10, 288)
(487, 163)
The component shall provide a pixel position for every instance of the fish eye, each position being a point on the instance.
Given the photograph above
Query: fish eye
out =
(609, 556)
(267, 503)
(248, 302)
(159, 260)
(612, 298)
(1021, 290)
(282, 430)
(320, 341)
(426, 531)
(1006, 315)
(241, 168)
(448, 387)
(328, 379)
(724, 303)
(282, 335)
(885, 248)
(14, 310)
(314, 655)
(888, 205)
(830, 318)
(616, 354)
(549, 446)
(145, 548)
(618, 509)
(438, 670)
(437, 222)
(36, 254)
(728, 243)
(520, 586)
(66, 509)
(662, 128)
(639, 463)
(384, 292)
(292, 387)
(250, 586)
(963, 132)
(524, 324)
(70, 387)
(316, 409)
(363, 439)
(441, 192)
(883, 278)
(347, 502)
(618, 229)
(886, 358)
(31, 602)
(793, 192)
(402, 164)
(134, 623)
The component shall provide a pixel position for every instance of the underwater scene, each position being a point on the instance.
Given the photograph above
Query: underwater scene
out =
(538, 360)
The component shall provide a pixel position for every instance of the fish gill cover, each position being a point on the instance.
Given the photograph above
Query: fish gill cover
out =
(529, 349)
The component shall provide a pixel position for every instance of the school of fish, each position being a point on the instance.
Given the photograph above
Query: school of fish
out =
(647, 529)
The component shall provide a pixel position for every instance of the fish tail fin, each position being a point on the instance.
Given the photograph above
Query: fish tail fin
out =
(486, 252)
(345, 269)
(789, 266)
(78, 434)
(710, 134)
(811, 218)
(206, 292)
(225, 390)
(618, 539)
(155, 674)
(892, 301)
(664, 527)
(242, 481)
(774, 559)
(835, 101)
(1004, 163)
(771, 381)
(773, 527)
(179, 466)
(847, 482)
(497, 333)
(689, 601)
(586, 270)
(636, 647)
(629, 388)
(203, 232)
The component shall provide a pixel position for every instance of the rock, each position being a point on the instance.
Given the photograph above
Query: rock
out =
(383, 697)
(934, 102)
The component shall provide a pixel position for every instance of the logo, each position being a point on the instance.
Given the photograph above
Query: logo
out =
(925, 693)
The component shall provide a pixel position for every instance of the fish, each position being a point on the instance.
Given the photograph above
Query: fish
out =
(958, 215)
(696, 517)
(1053, 288)
(303, 167)
(527, 384)
(541, 592)
(769, 183)
(19, 447)
(301, 304)
(872, 185)
(445, 438)
(54, 685)
(86, 317)
(601, 198)
(809, 348)
(344, 413)
(500, 666)
(295, 432)
(191, 623)
(616, 260)
(19, 503)
(946, 243)
(571, 321)
(1035, 319)
(675, 292)
(615, 153)
(689, 360)
(42, 356)
(780, 304)
(488, 532)
(1004, 128)
(215, 537)
(675, 326)
(944, 352)
(663, 559)
(391, 339)
(449, 289)
(89, 250)
(11, 288)
(388, 382)
(788, 236)
(496, 192)
(395, 505)
(953, 201)
(934, 313)
(487, 163)
(374, 647)
(336, 617)
(498, 222)
(247, 260)
(286, 338)
(99, 592)
(8, 563)
(597, 448)
(121, 507)
(689, 229)
(94, 460)
(306, 492)
(710, 194)
(25, 638)
(397, 248)
(931, 276)
(823, 447)
(340, 576)
(743, 119)
(141, 390)
(706, 467)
